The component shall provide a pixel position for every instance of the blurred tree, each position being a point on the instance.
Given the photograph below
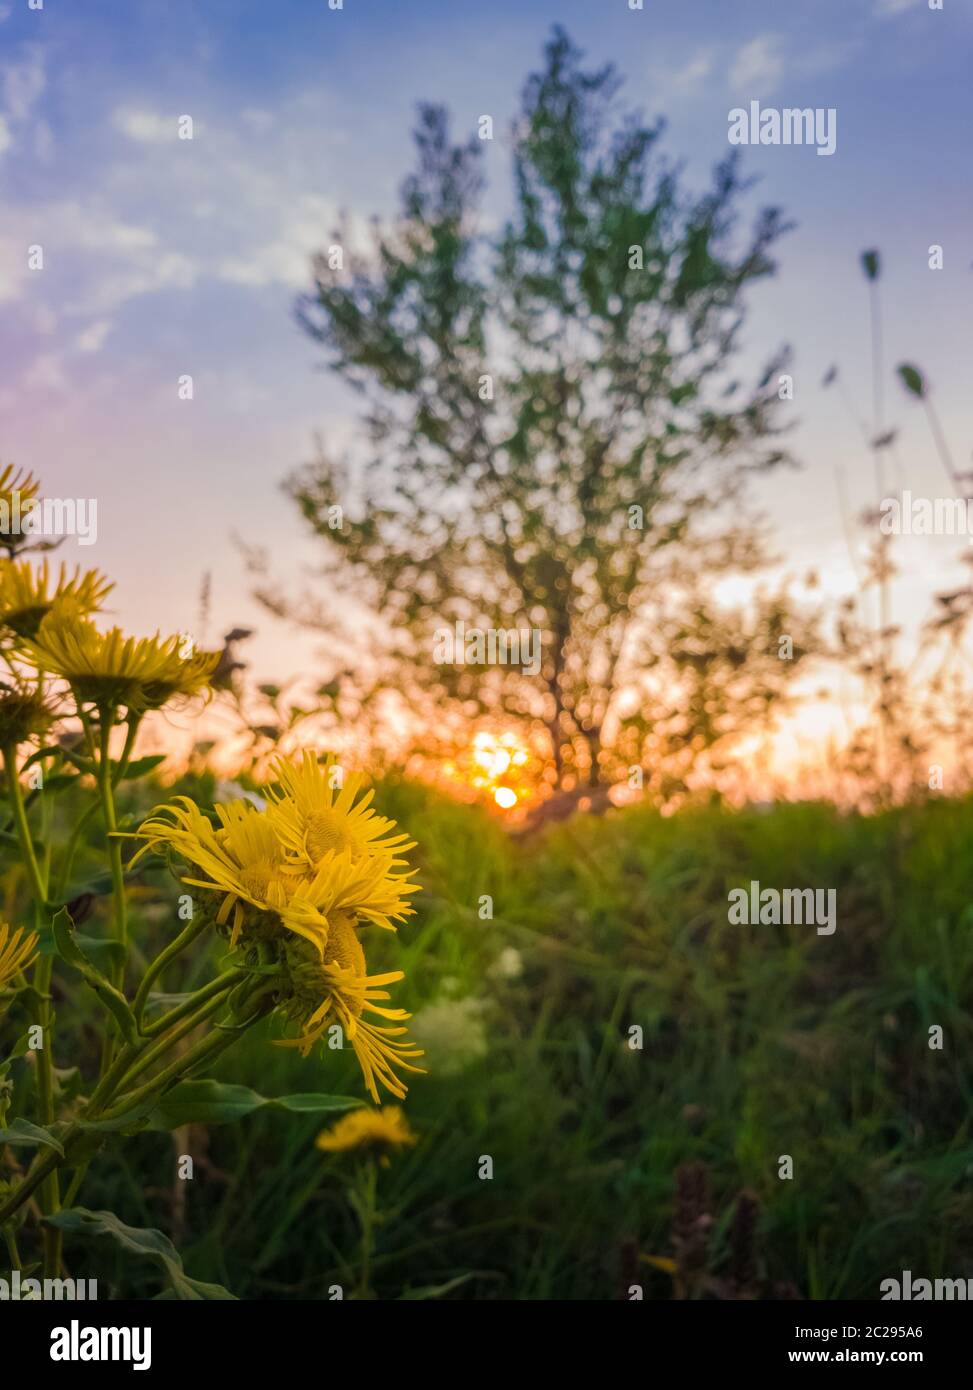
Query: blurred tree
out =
(557, 443)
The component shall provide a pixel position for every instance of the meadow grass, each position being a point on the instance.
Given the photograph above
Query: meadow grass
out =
(614, 1165)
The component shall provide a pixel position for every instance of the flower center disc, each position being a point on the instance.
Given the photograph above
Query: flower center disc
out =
(325, 833)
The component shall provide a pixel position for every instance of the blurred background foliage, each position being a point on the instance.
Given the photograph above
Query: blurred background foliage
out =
(613, 1166)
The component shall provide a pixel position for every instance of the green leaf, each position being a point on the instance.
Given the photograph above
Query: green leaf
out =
(50, 751)
(131, 1122)
(147, 1244)
(58, 781)
(20, 1048)
(109, 997)
(91, 946)
(219, 1103)
(913, 380)
(141, 767)
(23, 1132)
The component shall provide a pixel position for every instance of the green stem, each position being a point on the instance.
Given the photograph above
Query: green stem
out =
(43, 1012)
(169, 1038)
(127, 750)
(75, 1184)
(209, 1047)
(11, 1239)
(15, 793)
(122, 1065)
(366, 1214)
(184, 939)
(71, 850)
(105, 786)
(45, 1167)
(217, 986)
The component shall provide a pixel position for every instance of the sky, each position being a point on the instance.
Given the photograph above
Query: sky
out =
(166, 257)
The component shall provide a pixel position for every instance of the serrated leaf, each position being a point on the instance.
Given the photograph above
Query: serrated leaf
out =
(24, 1132)
(144, 1243)
(97, 946)
(109, 997)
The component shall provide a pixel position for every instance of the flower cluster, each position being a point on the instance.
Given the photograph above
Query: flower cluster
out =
(294, 882)
(46, 629)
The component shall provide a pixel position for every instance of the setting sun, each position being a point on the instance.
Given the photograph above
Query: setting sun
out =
(499, 768)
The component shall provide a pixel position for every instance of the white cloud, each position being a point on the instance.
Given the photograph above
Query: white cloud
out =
(890, 7)
(94, 260)
(21, 85)
(699, 67)
(670, 84)
(758, 65)
(285, 259)
(238, 206)
(93, 336)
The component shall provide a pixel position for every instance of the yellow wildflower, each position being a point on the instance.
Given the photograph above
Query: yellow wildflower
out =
(386, 1128)
(28, 593)
(108, 668)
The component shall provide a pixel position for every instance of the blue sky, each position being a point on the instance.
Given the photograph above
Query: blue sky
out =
(165, 257)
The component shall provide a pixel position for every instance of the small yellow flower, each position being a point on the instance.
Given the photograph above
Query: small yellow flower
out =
(14, 484)
(24, 714)
(386, 1128)
(188, 677)
(28, 593)
(108, 668)
(17, 951)
(13, 480)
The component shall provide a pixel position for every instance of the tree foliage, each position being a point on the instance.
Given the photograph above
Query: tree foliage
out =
(557, 440)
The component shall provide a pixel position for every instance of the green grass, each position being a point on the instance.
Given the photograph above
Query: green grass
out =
(759, 1041)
